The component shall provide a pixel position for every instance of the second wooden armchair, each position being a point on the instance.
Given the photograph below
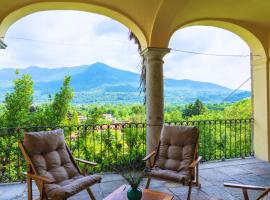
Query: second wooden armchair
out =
(176, 157)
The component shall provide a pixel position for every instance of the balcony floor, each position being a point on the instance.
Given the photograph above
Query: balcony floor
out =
(212, 176)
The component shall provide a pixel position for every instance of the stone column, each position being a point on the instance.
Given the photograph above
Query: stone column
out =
(154, 94)
(261, 95)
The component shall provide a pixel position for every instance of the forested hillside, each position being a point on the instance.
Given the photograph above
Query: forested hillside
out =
(102, 84)
(20, 110)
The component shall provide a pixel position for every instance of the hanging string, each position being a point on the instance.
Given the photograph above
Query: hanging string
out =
(235, 90)
(214, 54)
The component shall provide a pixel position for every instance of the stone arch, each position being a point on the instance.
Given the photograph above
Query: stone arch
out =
(260, 79)
(252, 40)
(87, 7)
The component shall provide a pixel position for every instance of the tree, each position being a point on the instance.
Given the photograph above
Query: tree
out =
(18, 102)
(196, 108)
(94, 115)
(71, 118)
(239, 110)
(57, 110)
(173, 116)
(137, 113)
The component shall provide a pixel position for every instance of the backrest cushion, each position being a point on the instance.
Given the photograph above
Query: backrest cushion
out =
(177, 147)
(49, 155)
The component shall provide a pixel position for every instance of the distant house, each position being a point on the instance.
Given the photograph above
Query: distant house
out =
(110, 117)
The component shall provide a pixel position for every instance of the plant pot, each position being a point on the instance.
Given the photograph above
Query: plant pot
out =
(134, 194)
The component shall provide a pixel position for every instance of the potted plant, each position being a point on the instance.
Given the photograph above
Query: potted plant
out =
(133, 172)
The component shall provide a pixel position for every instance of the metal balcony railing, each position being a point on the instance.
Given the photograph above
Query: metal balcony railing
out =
(106, 144)
(224, 139)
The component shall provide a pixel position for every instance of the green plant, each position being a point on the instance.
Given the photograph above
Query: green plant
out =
(18, 102)
(133, 172)
(133, 178)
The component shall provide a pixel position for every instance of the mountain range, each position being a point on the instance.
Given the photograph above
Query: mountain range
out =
(100, 83)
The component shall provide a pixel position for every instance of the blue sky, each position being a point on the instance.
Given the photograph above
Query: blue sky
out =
(72, 38)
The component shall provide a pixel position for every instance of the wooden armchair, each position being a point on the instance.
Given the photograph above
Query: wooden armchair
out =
(245, 188)
(176, 157)
(51, 165)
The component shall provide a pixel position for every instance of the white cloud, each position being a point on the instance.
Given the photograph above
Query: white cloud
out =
(228, 71)
(93, 38)
(98, 38)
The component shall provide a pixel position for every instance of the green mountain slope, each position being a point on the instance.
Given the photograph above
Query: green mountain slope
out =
(100, 83)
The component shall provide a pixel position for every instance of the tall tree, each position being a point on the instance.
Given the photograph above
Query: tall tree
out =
(58, 109)
(196, 108)
(18, 102)
(94, 115)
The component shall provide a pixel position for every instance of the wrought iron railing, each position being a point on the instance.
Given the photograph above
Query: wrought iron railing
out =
(107, 144)
(224, 139)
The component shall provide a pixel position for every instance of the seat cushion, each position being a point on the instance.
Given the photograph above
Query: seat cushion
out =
(70, 187)
(177, 147)
(181, 177)
(49, 155)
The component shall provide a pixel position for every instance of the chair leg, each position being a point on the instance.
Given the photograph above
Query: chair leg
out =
(29, 188)
(91, 194)
(197, 177)
(245, 193)
(42, 195)
(148, 183)
(189, 190)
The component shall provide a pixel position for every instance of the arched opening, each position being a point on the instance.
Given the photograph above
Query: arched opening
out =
(52, 41)
(56, 39)
(258, 84)
(92, 8)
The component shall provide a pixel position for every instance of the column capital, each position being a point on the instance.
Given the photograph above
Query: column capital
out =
(259, 63)
(154, 52)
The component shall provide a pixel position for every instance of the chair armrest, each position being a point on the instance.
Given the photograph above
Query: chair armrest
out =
(241, 186)
(38, 178)
(264, 193)
(85, 162)
(244, 188)
(149, 156)
(195, 162)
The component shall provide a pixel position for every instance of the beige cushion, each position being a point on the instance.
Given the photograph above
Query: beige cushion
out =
(181, 176)
(70, 187)
(177, 147)
(51, 159)
(48, 153)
